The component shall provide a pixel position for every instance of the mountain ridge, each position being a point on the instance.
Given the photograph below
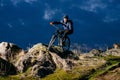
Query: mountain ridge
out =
(40, 63)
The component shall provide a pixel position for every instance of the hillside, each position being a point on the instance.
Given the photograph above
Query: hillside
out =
(37, 63)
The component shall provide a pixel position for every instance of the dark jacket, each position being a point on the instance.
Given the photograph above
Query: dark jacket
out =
(67, 26)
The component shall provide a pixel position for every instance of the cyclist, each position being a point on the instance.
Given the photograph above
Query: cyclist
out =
(67, 25)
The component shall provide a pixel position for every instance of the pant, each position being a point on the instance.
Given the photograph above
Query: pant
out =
(67, 33)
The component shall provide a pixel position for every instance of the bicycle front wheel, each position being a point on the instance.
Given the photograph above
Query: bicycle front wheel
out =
(52, 41)
(66, 44)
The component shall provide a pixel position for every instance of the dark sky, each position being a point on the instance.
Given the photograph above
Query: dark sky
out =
(26, 22)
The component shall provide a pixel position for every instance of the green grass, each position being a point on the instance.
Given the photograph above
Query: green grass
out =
(112, 62)
(18, 77)
(77, 73)
(59, 75)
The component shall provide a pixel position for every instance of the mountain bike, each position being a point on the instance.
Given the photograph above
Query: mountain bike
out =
(63, 43)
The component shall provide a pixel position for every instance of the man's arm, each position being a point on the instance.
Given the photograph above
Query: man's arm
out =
(55, 22)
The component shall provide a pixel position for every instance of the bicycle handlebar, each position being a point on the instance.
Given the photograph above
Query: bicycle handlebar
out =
(57, 27)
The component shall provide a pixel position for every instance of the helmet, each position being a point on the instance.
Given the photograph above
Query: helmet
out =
(66, 16)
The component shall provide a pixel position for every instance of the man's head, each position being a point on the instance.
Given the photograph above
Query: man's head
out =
(65, 18)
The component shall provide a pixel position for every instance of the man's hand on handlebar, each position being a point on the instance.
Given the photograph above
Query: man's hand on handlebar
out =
(51, 23)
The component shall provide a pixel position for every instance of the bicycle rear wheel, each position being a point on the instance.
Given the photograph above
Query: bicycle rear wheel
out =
(66, 44)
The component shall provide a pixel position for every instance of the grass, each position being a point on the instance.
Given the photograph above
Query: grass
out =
(112, 62)
(77, 73)
(18, 77)
(58, 75)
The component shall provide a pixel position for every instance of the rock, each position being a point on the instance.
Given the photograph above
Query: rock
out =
(10, 51)
(90, 54)
(113, 52)
(61, 63)
(6, 68)
(116, 46)
(41, 62)
(86, 55)
(96, 52)
(38, 59)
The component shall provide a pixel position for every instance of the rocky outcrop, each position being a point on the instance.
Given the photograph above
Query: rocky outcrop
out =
(7, 68)
(112, 52)
(41, 62)
(116, 46)
(95, 52)
(38, 61)
(91, 58)
(10, 52)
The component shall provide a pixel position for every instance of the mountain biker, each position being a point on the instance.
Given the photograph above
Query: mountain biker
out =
(67, 25)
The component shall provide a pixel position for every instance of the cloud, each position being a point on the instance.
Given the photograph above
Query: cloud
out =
(10, 25)
(108, 19)
(21, 22)
(93, 5)
(112, 14)
(110, 9)
(2, 4)
(49, 13)
(15, 2)
(30, 1)
(65, 0)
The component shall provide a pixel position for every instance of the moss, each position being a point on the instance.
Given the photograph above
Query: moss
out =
(58, 75)
(75, 74)
(18, 78)
(112, 62)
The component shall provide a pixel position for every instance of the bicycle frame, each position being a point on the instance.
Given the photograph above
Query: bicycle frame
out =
(59, 34)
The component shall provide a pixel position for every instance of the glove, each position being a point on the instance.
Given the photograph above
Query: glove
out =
(51, 23)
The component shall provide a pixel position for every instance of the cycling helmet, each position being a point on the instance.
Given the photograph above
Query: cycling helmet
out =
(66, 16)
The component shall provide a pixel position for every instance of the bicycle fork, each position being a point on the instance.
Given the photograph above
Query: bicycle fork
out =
(52, 41)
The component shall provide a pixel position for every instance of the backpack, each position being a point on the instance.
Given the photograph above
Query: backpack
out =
(72, 29)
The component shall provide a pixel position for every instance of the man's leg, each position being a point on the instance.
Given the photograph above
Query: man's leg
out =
(66, 33)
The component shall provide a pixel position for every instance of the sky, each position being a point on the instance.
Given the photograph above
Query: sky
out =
(26, 22)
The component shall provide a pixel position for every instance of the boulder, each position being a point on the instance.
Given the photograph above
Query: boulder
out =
(116, 46)
(7, 68)
(38, 61)
(113, 52)
(96, 52)
(10, 52)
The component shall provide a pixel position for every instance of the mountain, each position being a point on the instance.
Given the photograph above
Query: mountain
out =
(39, 63)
